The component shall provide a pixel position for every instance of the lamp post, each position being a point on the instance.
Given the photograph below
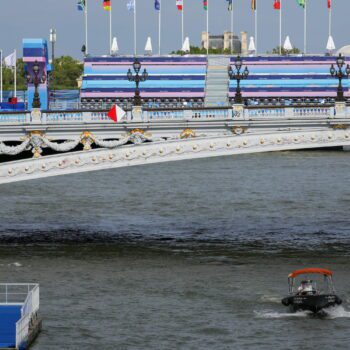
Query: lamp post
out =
(36, 80)
(238, 76)
(340, 73)
(137, 78)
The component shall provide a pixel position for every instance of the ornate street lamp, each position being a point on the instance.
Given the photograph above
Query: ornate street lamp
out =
(137, 79)
(36, 79)
(238, 76)
(340, 73)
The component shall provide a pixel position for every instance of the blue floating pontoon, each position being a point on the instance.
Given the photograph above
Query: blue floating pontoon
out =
(19, 321)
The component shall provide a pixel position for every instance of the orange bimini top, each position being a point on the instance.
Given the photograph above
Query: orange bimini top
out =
(310, 270)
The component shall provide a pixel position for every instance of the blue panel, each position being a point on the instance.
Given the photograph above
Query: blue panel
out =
(9, 315)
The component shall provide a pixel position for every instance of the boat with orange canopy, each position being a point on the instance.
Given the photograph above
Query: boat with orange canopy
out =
(309, 295)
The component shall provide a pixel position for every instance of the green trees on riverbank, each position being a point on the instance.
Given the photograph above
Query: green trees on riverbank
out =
(67, 71)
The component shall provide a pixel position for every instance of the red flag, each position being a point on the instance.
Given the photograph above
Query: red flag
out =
(116, 113)
(277, 5)
(329, 5)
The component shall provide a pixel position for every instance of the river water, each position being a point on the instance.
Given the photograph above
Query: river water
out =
(184, 255)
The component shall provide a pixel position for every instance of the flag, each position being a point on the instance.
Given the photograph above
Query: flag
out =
(179, 4)
(131, 5)
(107, 5)
(10, 60)
(205, 5)
(253, 5)
(116, 113)
(229, 5)
(277, 5)
(157, 5)
(81, 5)
(301, 3)
(329, 4)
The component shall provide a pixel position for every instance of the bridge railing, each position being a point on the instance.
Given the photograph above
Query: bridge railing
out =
(326, 111)
(176, 114)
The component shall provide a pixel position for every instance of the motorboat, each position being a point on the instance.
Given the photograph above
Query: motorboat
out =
(309, 296)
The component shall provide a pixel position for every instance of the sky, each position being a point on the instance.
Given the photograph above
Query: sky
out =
(33, 19)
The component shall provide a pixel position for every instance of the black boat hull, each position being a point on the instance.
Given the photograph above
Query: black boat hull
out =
(313, 303)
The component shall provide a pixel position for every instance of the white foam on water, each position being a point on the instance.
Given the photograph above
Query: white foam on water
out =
(269, 314)
(337, 312)
(270, 299)
(16, 264)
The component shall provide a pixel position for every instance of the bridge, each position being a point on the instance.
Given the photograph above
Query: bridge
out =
(156, 136)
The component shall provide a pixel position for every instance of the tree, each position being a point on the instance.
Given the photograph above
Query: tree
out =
(195, 50)
(66, 72)
(276, 51)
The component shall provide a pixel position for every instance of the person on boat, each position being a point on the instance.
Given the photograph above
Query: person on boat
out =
(306, 287)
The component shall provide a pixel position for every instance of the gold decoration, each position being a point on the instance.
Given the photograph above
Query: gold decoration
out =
(339, 127)
(137, 131)
(187, 133)
(87, 139)
(238, 130)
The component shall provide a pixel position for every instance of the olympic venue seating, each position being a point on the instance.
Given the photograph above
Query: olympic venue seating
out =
(169, 78)
(174, 79)
(289, 76)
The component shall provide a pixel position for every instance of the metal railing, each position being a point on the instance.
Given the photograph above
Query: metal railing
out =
(30, 307)
(15, 293)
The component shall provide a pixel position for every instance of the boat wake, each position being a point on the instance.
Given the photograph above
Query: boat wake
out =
(329, 313)
(271, 314)
(336, 312)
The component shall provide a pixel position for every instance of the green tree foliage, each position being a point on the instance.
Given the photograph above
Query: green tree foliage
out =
(194, 50)
(67, 71)
(276, 51)
(8, 77)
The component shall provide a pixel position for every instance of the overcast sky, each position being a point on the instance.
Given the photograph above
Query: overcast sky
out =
(34, 18)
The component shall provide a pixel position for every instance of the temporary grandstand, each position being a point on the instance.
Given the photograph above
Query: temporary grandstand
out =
(177, 80)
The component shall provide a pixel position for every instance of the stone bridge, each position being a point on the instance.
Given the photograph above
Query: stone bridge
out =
(139, 152)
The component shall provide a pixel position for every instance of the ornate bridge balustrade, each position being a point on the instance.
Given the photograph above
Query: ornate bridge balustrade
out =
(200, 114)
(66, 131)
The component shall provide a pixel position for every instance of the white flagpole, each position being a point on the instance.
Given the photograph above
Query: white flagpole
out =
(110, 29)
(305, 27)
(159, 25)
(207, 27)
(182, 22)
(281, 7)
(15, 74)
(256, 27)
(231, 28)
(86, 26)
(1, 76)
(135, 48)
(330, 22)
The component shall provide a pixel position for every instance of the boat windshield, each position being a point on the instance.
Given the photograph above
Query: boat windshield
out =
(307, 287)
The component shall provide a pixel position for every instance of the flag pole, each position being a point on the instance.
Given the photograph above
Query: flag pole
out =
(159, 25)
(305, 27)
(182, 21)
(15, 74)
(207, 27)
(86, 27)
(135, 50)
(1, 77)
(231, 28)
(281, 7)
(110, 29)
(330, 22)
(256, 27)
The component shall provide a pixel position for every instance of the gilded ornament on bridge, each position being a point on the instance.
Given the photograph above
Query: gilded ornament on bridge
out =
(187, 133)
(87, 139)
(137, 131)
(339, 127)
(238, 130)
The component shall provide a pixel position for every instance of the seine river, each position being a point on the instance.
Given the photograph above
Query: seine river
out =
(185, 255)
